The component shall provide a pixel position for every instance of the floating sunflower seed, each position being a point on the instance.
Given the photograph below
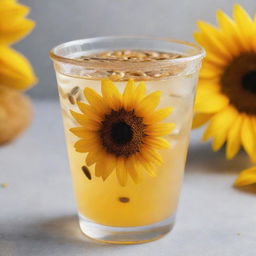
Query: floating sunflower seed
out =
(153, 54)
(156, 74)
(164, 56)
(176, 56)
(74, 91)
(117, 75)
(117, 53)
(124, 199)
(134, 55)
(86, 172)
(126, 52)
(104, 54)
(71, 99)
(137, 73)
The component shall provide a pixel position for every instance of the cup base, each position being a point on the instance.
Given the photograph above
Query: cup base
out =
(125, 235)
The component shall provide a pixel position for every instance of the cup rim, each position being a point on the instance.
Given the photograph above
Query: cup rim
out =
(199, 52)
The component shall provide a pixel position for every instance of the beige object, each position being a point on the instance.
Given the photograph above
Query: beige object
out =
(15, 114)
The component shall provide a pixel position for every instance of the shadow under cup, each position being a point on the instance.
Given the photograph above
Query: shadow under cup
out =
(127, 107)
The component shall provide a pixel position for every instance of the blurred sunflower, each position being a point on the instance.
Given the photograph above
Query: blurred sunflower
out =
(226, 97)
(247, 177)
(15, 70)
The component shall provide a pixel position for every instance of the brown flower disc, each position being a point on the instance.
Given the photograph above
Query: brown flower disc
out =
(238, 83)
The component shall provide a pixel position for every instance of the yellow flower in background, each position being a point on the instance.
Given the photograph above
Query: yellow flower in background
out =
(226, 97)
(15, 70)
(13, 24)
(122, 132)
(246, 177)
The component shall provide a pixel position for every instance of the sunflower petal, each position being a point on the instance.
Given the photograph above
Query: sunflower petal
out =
(245, 25)
(211, 68)
(253, 119)
(234, 37)
(151, 156)
(234, 138)
(220, 137)
(157, 115)
(121, 171)
(108, 89)
(130, 166)
(210, 102)
(89, 111)
(157, 142)
(207, 73)
(80, 118)
(12, 8)
(111, 94)
(15, 70)
(82, 132)
(148, 167)
(230, 32)
(246, 177)
(88, 145)
(216, 60)
(128, 95)
(13, 24)
(208, 37)
(88, 124)
(95, 155)
(110, 166)
(15, 33)
(213, 35)
(248, 137)
(200, 119)
(99, 167)
(159, 129)
(209, 85)
(219, 127)
(91, 158)
(139, 94)
(148, 104)
(96, 101)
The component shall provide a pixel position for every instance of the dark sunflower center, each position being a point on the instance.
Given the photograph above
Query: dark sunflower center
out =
(122, 133)
(249, 81)
(238, 83)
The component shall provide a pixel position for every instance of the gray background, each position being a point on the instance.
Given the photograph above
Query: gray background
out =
(63, 20)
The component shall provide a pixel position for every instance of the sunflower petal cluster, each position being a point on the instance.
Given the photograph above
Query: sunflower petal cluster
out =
(226, 97)
(15, 70)
(122, 132)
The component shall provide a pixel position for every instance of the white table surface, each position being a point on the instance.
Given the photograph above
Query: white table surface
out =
(37, 210)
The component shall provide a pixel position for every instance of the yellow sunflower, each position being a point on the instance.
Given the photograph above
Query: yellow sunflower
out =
(15, 70)
(246, 177)
(122, 132)
(226, 97)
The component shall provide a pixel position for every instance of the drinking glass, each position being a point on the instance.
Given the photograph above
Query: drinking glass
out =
(127, 107)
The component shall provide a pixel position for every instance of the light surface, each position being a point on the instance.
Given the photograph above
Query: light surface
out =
(37, 209)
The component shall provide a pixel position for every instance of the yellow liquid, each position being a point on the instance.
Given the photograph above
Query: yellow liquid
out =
(154, 198)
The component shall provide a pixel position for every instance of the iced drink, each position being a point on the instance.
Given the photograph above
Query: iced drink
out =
(127, 133)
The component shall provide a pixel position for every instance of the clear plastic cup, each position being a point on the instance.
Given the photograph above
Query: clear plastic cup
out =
(127, 123)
